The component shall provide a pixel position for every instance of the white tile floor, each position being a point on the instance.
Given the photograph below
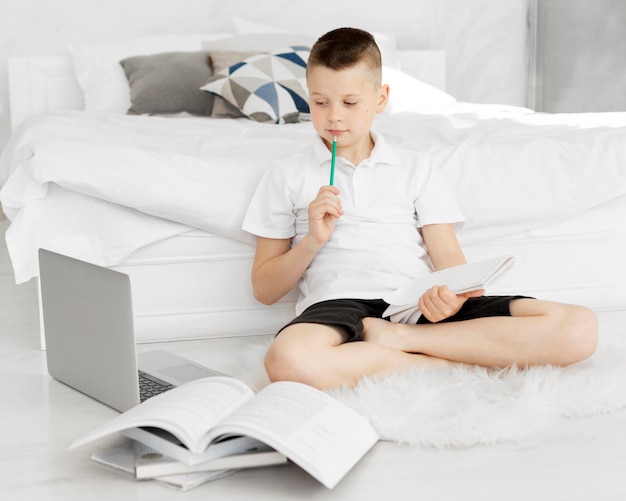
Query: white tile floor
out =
(39, 417)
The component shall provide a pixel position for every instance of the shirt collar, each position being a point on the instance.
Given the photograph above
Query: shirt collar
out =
(382, 152)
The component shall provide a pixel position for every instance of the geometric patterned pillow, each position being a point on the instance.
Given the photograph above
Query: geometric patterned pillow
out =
(267, 87)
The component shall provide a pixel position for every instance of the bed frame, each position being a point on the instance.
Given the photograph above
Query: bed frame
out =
(40, 84)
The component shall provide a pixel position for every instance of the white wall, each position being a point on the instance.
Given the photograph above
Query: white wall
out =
(484, 39)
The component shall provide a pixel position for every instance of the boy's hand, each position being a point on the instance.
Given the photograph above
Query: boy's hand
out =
(324, 211)
(439, 302)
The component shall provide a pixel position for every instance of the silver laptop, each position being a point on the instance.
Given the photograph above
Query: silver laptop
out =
(90, 341)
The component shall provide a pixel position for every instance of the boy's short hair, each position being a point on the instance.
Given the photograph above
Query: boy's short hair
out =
(344, 47)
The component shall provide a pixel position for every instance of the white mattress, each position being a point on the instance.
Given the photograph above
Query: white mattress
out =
(576, 260)
(197, 285)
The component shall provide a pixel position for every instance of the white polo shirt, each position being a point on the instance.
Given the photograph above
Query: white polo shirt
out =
(376, 246)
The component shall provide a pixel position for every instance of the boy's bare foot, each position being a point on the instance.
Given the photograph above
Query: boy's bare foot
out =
(392, 335)
(380, 331)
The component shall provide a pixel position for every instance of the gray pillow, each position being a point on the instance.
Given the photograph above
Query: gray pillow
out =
(169, 83)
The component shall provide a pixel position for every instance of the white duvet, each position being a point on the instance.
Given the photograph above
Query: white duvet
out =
(99, 187)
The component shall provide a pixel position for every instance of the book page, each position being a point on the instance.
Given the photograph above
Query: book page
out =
(321, 435)
(188, 412)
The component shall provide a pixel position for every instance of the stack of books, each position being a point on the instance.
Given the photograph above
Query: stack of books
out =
(146, 463)
(212, 427)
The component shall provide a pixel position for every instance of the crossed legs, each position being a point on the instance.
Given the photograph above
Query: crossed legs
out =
(536, 333)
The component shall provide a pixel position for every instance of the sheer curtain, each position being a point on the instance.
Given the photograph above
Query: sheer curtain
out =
(577, 49)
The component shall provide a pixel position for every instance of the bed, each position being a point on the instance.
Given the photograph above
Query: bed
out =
(160, 193)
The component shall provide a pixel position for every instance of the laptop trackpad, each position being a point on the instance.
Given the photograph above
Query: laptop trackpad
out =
(172, 368)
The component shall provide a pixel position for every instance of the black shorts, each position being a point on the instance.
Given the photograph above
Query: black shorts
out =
(347, 314)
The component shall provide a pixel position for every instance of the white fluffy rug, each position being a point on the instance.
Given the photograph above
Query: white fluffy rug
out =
(462, 407)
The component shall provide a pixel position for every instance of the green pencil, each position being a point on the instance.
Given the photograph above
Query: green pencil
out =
(332, 161)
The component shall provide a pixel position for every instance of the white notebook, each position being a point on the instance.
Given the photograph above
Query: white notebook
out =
(464, 278)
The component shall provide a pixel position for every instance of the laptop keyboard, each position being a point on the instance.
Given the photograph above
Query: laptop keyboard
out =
(150, 386)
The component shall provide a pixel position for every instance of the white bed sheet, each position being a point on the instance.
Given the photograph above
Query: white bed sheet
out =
(99, 187)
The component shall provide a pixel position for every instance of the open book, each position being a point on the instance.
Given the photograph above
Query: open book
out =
(219, 416)
(464, 278)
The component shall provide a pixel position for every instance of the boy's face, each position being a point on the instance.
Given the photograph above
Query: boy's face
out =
(344, 103)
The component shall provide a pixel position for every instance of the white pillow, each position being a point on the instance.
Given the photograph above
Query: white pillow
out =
(101, 77)
(408, 94)
(386, 43)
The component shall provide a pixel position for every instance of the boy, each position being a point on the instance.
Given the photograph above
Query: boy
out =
(388, 218)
